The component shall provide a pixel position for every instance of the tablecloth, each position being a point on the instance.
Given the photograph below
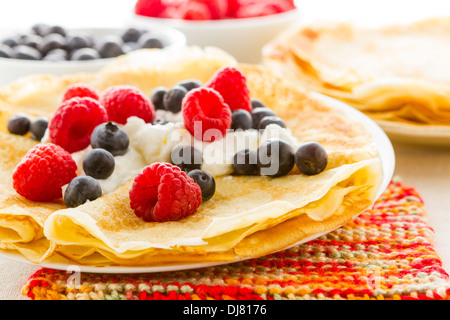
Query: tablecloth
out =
(385, 253)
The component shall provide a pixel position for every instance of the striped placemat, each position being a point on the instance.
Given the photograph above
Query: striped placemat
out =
(385, 253)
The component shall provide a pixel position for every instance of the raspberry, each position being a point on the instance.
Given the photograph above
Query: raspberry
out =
(43, 171)
(203, 9)
(80, 90)
(206, 115)
(259, 8)
(191, 10)
(232, 7)
(171, 13)
(217, 8)
(232, 85)
(149, 8)
(256, 10)
(124, 101)
(73, 122)
(162, 192)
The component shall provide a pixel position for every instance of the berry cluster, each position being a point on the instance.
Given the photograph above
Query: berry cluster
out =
(87, 118)
(56, 43)
(107, 140)
(83, 119)
(170, 99)
(224, 103)
(162, 191)
(275, 157)
(211, 9)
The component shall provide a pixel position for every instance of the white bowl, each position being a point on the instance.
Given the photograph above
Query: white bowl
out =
(12, 69)
(242, 38)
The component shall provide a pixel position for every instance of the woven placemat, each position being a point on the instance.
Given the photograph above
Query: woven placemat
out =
(385, 253)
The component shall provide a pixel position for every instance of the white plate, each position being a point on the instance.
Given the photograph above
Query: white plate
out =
(427, 135)
(387, 156)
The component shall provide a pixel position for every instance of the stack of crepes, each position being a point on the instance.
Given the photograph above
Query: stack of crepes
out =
(395, 74)
(249, 216)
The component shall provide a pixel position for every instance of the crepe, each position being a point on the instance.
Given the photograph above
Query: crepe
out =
(399, 74)
(22, 221)
(248, 216)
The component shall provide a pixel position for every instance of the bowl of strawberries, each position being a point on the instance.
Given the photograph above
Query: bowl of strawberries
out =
(240, 27)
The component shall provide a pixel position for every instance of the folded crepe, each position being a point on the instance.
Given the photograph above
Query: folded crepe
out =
(248, 216)
(398, 74)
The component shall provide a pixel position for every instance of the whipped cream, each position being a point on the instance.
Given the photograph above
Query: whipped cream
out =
(154, 143)
(169, 116)
(126, 167)
(273, 131)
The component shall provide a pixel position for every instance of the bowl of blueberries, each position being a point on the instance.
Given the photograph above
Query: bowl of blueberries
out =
(53, 49)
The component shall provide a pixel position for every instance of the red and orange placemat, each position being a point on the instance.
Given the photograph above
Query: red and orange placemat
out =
(385, 253)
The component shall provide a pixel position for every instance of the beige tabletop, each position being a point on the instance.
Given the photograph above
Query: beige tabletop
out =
(426, 169)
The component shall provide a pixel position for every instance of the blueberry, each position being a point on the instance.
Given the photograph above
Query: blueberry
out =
(99, 164)
(157, 97)
(80, 190)
(26, 53)
(190, 84)
(5, 51)
(258, 114)
(148, 40)
(77, 41)
(57, 29)
(19, 124)
(186, 157)
(241, 119)
(245, 162)
(110, 47)
(31, 40)
(111, 137)
(160, 121)
(50, 42)
(205, 181)
(257, 103)
(55, 57)
(271, 120)
(11, 41)
(311, 158)
(41, 29)
(173, 98)
(58, 51)
(131, 35)
(38, 128)
(275, 158)
(85, 54)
